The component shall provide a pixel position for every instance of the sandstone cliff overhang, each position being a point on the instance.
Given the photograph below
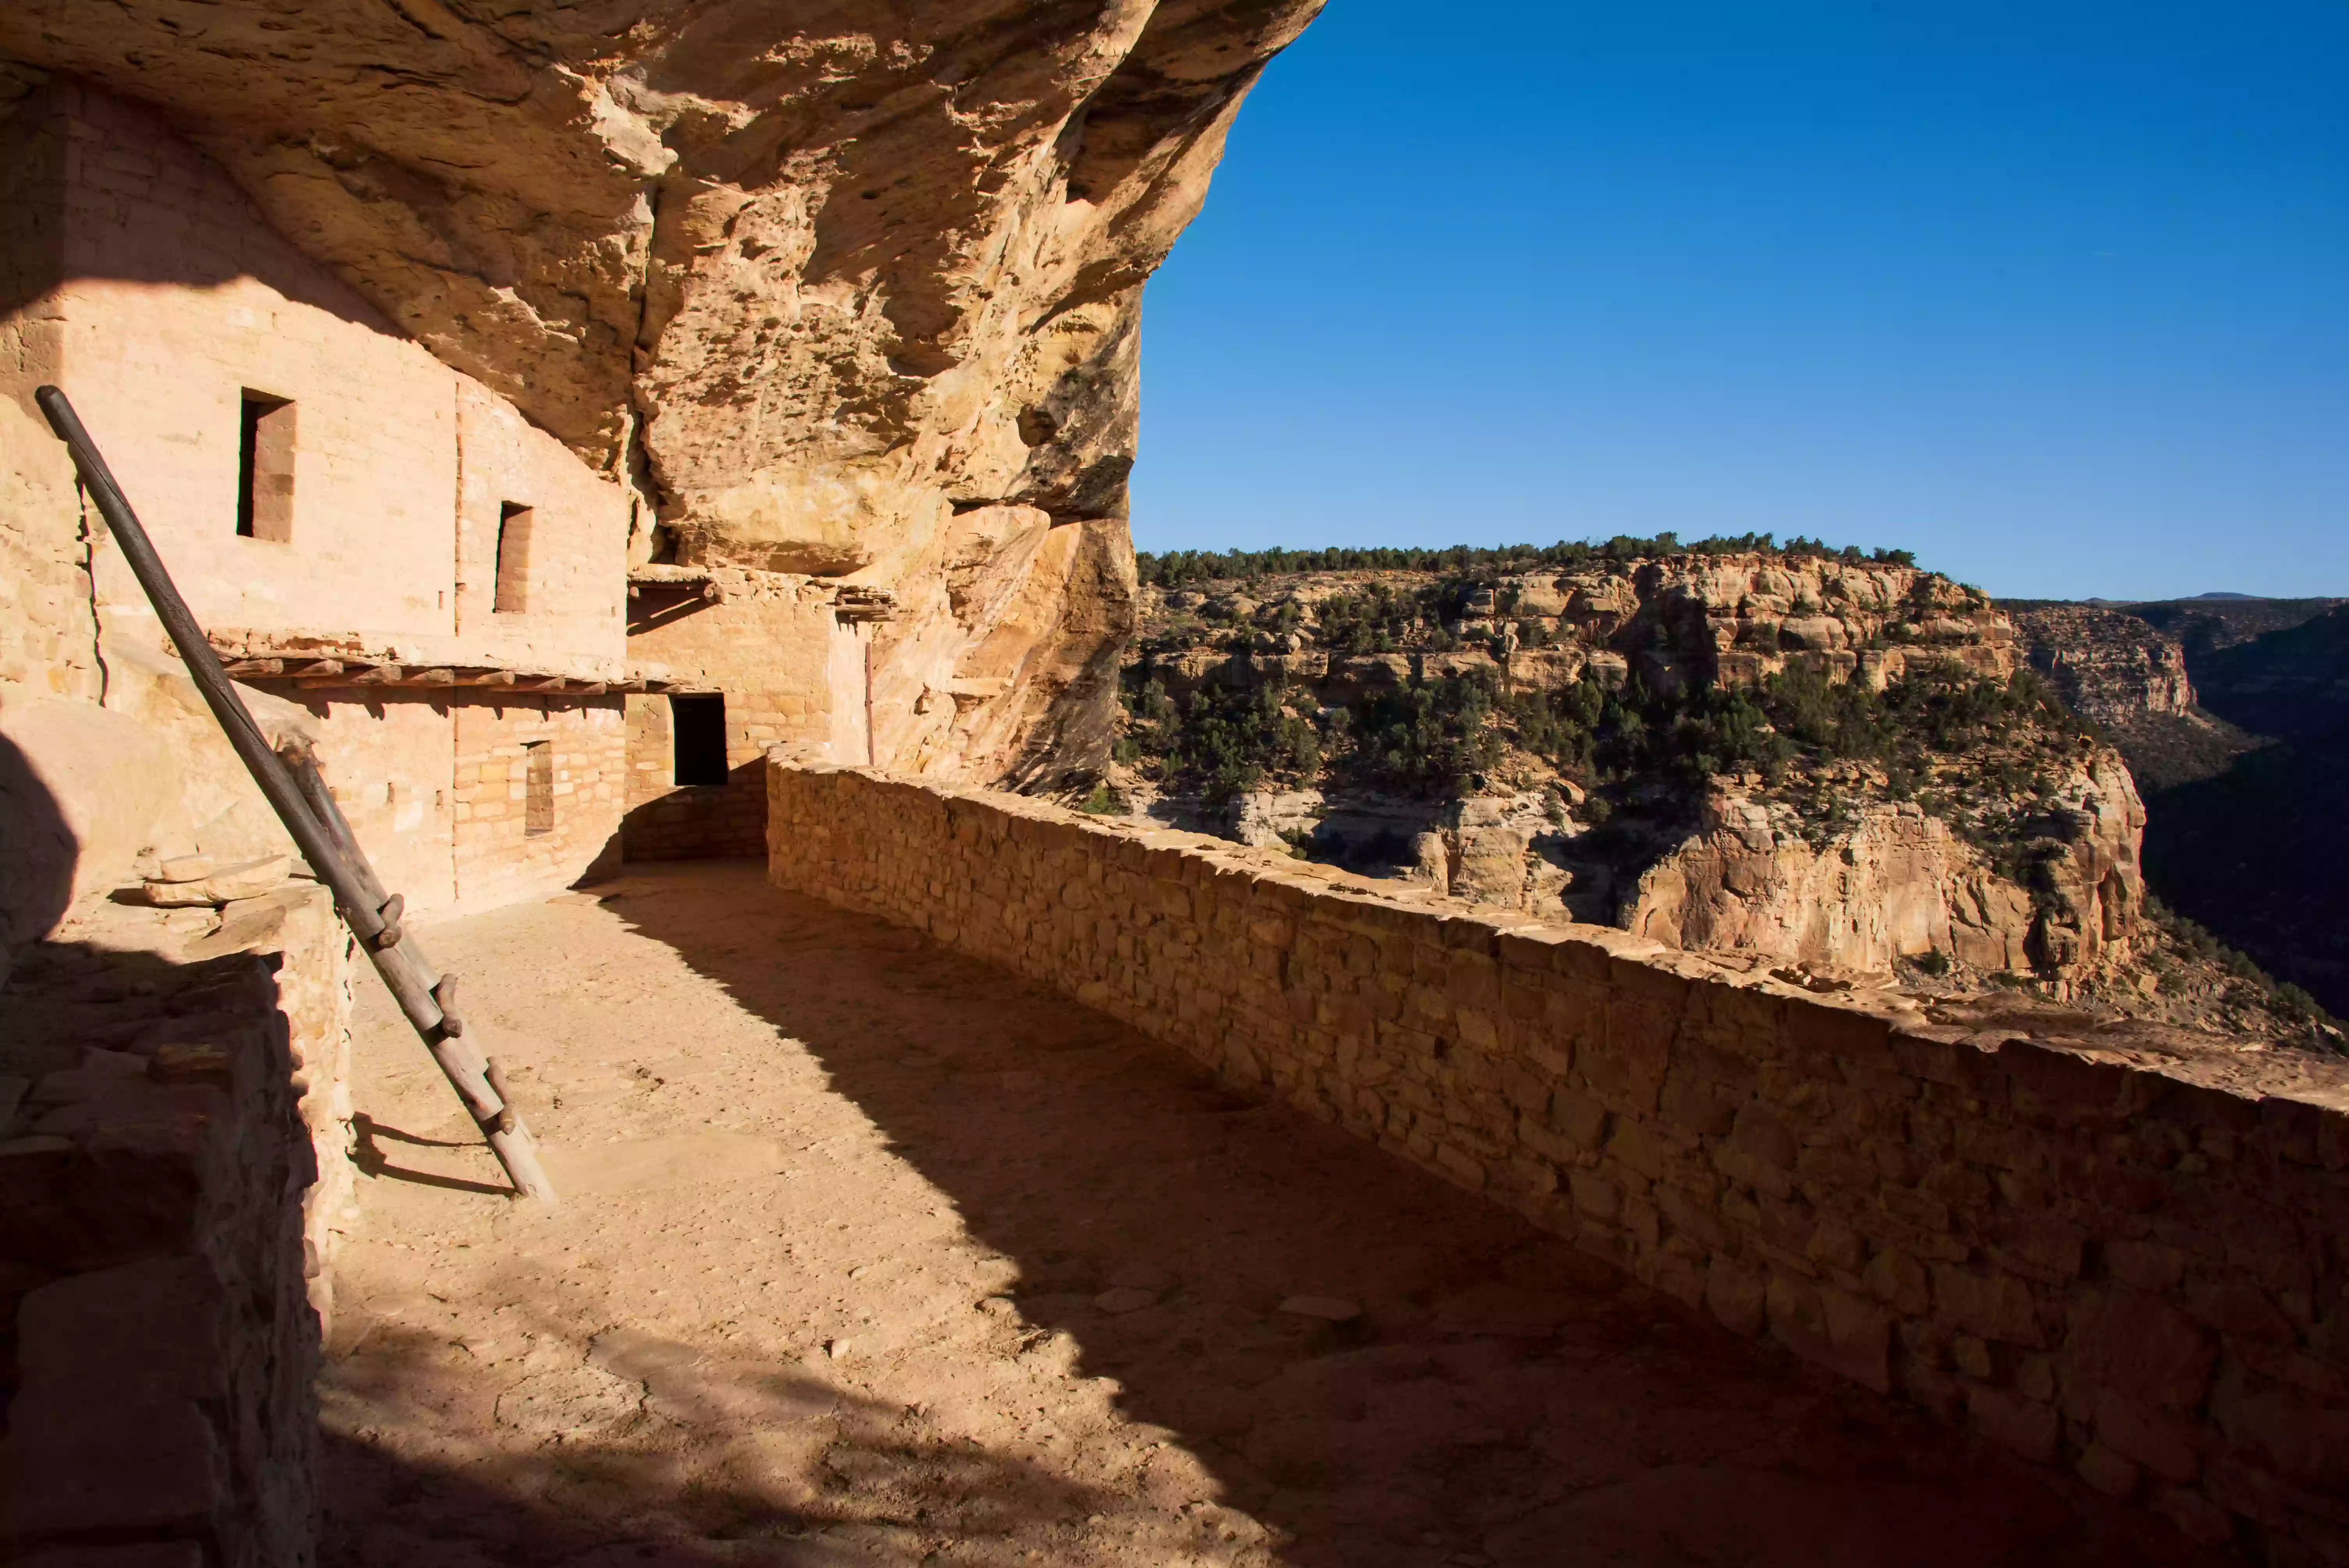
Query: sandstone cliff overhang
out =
(800, 278)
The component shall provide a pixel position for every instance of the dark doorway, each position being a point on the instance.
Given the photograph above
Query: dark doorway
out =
(699, 725)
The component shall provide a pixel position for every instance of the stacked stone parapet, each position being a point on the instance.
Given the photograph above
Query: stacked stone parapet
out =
(2134, 1269)
(172, 1167)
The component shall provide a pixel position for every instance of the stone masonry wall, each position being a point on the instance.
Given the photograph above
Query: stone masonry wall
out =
(765, 642)
(173, 1121)
(501, 855)
(2127, 1272)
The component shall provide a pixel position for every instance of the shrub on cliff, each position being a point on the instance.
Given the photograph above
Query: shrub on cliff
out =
(1191, 568)
(1223, 742)
(1379, 620)
(1427, 738)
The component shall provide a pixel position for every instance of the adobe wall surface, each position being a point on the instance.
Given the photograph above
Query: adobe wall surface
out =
(133, 275)
(2139, 1273)
(391, 764)
(576, 567)
(154, 293)
(173, 1165)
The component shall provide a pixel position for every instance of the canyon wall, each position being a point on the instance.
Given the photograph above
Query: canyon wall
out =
(1671, 620)
(2110, 665)
(2105, 1258)
(1900, 883)
(844, 293)
(2007, 846)
(1733, 619)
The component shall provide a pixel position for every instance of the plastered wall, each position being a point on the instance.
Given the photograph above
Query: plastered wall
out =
(151, 290)
(2136, 1275)
(573, 611)
(136, 276)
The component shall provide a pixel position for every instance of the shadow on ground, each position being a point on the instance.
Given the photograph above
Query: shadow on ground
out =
(610, 1488)
(1499, 1400)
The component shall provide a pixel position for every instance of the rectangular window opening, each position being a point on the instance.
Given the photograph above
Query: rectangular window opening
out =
(513, 559)
(538, 788)
(698, 723)
(264, 468)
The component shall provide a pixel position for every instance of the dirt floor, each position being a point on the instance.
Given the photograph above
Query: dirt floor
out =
(871, 1254)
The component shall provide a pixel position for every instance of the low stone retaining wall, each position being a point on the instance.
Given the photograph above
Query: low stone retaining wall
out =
(2099, 1263)
(171, 1161)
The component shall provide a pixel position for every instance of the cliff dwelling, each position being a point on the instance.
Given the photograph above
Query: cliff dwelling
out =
(666, 474)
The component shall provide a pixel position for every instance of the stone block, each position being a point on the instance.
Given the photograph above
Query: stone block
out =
(1594, 1196)
(2001, 1144)
(1931, 1388)
(1635, 1145)
(1759, 1151)
(1844, 1034)
(1579, 1118)
(2035, 1244)
(2202, 1521)
(1951, 1061)
(1761, 1135)
(1460, 1166)
(2054, 1084)
(1628, 1065)
(1836, 1165)
(2168, 1445)
(1695, 1100)
(1736, 1296)
(2237, 1308)
(2108, 1473)
(1692, 1215)
(1832, 1327)
(1993, 1306)
(1899, 1281)
(143, 1332)
(76, 1466)
(1835, 1246)
(2289, 1127)
(2145, 1266)
(2005, 1417)
(2285, 1429)
(2139, 1345)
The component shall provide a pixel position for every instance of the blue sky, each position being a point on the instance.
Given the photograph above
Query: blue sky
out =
(2056, 296)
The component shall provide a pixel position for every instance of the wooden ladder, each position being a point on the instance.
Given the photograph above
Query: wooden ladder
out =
(316, 824)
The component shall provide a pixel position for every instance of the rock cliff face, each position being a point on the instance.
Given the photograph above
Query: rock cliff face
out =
(817, 280)
(1738, 618)
(2110, 665)
(1808, 758)
(2134, 678)
(1674, 622)
(1898, 884)
(2255, 852)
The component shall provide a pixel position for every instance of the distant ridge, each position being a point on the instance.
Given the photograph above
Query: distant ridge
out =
(2230, 596)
